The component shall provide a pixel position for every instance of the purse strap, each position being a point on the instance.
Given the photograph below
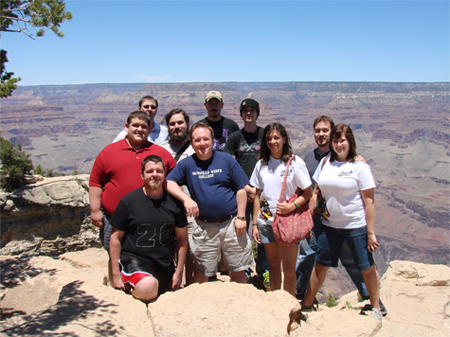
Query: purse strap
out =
(283, 187)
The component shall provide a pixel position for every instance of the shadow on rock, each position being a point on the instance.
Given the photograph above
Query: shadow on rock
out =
(73, 306)
(15, 271)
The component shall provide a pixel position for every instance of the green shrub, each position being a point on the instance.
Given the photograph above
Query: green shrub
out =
(15, 165)
(331, 301)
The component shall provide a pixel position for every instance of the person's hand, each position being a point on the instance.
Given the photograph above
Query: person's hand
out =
(251, 192)
(255, 234)
(360, 158)
(191, 208)
(117, 283)
(97, 219)
(285, 207)
(372, 243)
(240, 226)
(177, 278)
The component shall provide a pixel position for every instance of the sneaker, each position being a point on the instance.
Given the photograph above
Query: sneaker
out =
(376, 313)
(265, 280)
(383, 309)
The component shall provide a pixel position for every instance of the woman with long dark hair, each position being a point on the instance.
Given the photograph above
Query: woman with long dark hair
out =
(348, 188)
(268, 178)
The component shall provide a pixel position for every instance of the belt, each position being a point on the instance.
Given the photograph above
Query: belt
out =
(218, 221)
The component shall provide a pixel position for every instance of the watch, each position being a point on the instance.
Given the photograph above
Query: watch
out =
(241, 218)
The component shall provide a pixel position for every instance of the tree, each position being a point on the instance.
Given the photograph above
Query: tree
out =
(19, 16)
(15, 165)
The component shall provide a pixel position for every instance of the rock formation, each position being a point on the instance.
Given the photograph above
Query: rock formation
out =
(65, 296)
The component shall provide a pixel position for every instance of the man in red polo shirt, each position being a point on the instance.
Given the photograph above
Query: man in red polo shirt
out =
(117, 171)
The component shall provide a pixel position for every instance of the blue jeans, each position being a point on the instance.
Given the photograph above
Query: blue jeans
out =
(307, 256)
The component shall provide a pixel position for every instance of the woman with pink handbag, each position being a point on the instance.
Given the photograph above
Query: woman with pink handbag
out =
(268, 178)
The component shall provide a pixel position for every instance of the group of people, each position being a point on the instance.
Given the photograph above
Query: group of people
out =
(198, 194)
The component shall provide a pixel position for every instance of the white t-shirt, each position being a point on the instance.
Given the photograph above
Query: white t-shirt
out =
(341, 184)
(269, 178)
(157, 138)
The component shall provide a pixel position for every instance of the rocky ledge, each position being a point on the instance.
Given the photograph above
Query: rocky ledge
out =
(67, 296)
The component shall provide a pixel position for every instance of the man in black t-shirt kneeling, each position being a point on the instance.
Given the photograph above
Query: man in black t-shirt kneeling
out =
(149, 226)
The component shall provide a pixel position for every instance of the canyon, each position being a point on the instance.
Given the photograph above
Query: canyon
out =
(402, 130)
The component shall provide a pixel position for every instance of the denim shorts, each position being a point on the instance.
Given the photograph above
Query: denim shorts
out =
(265, 231)
(330, 242)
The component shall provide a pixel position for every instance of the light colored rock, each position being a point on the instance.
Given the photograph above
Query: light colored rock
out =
(66, 296)
(9, 206)
(66, 191)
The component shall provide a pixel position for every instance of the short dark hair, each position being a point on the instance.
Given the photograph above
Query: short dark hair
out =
(153, 158)
(340, 131)
(140, 115)
(200, 125)
(323, 118)
(264, 152)
(148, 98)
(175, 111)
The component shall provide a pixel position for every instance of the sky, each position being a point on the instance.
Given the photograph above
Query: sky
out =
(243, 41)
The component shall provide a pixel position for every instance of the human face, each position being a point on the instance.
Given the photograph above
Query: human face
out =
(322, 132)
(137, 131)
(275, 142)
(178, 128)
(214, 107)
(153, 175)
(149, 107)
(342, 147)
(249, 114)
(202, 143)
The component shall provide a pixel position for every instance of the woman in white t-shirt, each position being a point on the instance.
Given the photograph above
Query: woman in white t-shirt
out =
(268, 178)
(348, 187)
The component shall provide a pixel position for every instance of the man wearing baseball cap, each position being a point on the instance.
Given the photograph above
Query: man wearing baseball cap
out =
(222, 127)
(244, 145)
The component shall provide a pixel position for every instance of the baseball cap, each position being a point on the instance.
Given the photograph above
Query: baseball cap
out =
(249, 102)
(213, 94)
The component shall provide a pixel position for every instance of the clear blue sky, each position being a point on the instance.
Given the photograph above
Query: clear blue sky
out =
(216, 41)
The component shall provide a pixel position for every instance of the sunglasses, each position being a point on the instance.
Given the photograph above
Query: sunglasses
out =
(149, 106)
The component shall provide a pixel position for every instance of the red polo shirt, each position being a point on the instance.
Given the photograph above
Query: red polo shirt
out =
(117, 170)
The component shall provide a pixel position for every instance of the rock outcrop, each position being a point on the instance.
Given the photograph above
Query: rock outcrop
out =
(49, 216)
(66, 296)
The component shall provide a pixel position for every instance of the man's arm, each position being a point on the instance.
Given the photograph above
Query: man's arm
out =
(241, 201)
(95, 204)
(115, 248)
(181, 240)
(176, 191)
(251, 191)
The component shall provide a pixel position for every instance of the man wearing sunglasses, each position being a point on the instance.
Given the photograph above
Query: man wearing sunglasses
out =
(159, 133)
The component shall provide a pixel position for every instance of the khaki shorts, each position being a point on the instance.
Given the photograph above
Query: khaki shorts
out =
(211, 242)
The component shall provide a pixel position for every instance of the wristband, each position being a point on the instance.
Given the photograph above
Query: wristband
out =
(241, 218)
(296, 205)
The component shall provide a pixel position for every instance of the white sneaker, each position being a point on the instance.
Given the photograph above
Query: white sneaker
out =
(376, 313)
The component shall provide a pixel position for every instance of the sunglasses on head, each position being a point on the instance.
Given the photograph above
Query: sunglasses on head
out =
(149, 106)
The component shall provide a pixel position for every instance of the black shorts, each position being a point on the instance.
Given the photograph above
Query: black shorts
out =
(133, 268)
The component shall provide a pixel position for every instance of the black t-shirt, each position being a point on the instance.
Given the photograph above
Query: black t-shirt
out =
(222, 130)
(149, 226)
(245, 146)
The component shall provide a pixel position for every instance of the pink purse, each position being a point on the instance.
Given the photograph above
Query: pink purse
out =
(292, 227)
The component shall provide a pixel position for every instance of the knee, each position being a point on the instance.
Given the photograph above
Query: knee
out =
(146, 289)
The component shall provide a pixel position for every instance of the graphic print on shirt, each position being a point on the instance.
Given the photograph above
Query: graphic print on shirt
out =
(245, 147)
(148, 235)
(290, 173)
(345, 174)
(206, 174)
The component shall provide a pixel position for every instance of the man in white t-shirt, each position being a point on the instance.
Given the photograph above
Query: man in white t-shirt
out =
(159, 133)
